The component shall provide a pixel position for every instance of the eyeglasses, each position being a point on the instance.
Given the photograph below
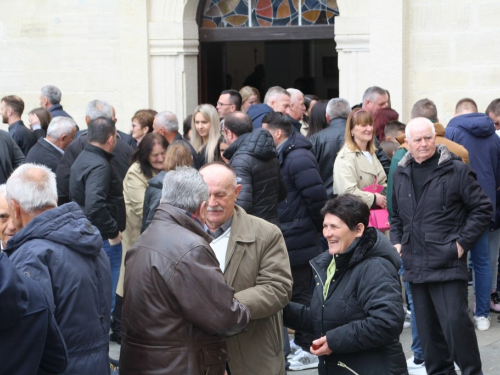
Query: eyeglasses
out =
(221, 104)
(223, 131)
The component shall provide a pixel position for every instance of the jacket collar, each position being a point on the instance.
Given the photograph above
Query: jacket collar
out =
(17, 123)
(445, 155)
(240, 227)
(338, 121)
(55, 107)
(99, 151)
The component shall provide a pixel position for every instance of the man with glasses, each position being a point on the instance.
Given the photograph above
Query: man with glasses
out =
(229, 101)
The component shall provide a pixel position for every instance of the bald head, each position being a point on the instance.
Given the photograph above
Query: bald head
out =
(421, 138)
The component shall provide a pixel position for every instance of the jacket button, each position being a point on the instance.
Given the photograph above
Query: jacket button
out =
(316, 276)
(317, 283)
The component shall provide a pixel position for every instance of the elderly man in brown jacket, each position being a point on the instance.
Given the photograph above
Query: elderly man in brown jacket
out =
(177, 308)
(253, 257)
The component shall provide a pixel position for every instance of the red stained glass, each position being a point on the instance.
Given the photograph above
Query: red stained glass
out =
(209, 24)
(264, 8)
(264, 23)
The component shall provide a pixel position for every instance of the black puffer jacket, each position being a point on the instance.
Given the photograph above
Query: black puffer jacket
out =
(299, 214)
(253, 157)
(94, 185)
(120, 163)
(362, 316)
(152, 199)
(452, 207)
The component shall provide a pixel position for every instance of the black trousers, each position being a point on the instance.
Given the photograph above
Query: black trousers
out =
(445, 329)
(302, 293)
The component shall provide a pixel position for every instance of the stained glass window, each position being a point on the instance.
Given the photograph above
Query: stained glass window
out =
(266, 13)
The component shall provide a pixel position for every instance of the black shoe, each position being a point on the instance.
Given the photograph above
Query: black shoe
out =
(114, 337)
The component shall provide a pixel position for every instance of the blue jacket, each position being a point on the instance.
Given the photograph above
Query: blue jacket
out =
(57, 110)
(299, 214)
(476, 132)
(63, 252)
(30, 342)
(256, 112)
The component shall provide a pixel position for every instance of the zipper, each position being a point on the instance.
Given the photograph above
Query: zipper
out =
(317, 273)
(341, 364)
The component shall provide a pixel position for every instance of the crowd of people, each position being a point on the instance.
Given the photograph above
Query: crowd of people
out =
(198, 252)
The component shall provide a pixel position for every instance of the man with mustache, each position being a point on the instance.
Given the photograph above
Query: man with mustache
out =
(254, 260)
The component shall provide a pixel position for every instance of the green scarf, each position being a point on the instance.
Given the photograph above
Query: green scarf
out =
(329, 276)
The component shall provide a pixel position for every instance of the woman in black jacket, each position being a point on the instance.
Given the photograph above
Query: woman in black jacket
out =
(356, 311)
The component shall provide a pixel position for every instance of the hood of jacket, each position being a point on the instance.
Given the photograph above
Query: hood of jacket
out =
(295, 141)
(157, 181)
(257, 111)
(259, 144)
(13, 294)
(477, 124)
(65, 225)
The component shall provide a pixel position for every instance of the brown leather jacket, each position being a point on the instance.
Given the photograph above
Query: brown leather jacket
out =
(177, 308)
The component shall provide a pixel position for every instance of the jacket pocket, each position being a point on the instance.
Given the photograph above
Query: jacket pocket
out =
(441, 250)
(406, 251)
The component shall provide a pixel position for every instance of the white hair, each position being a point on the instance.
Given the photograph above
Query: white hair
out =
(167, 120)
(418, 120)
(61, 125)
(52, 93)
(372, 93)
(3, 191)
(338, 107)
(33, 186)
(273, 93)
(294, 93)
(184, 188)
(98, 108)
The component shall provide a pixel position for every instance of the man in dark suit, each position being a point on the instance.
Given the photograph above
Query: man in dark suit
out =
(12, 108)
(11, 156)
(50, 99)
(49, 150)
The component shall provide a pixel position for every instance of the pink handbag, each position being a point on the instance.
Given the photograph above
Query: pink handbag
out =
(379, 217)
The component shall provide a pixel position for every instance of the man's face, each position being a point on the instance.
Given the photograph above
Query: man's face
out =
(68, 139)
(158, 129)
(422, 142)
(273, 133)
(7, 228)
(43, 101)
(223, 194)
(224, 106)
(297, 107)
(282, 103)
(3, 111)
(381, 101)
(496, 120)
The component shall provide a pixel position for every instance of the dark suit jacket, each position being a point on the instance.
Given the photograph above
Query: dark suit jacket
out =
(44, 153)
(39, 133)
(57, 110)
(11, 156)
(24, 138)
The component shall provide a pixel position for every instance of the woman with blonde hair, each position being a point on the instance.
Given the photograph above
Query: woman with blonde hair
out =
(178, 155)
(249, 96)
(206, 134)
(356, 165)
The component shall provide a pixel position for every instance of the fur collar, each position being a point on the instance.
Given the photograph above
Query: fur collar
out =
(445, 155)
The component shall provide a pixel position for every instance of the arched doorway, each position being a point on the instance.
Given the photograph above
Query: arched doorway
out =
(264, 43)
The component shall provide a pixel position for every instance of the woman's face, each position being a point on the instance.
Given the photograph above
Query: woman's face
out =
(202, 126)
(362, 133)
(137, 131)
(311, 105)
(338, 235)
(157, 156)
(250, 101)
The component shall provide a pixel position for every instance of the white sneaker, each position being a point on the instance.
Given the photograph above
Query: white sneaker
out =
(482, 323)
(410, 363)
(303, 360)
(406, 324)
(294, 348)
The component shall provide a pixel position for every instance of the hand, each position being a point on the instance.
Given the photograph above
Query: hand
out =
(460, 250)
(398, 248)
(380, 200)
(116, 240)
(33, 119)
(323, 350)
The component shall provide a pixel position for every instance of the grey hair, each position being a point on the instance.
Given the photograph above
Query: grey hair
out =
(184, 188)
(371, 93)
(273, 92)
(98, 108)
(33, 186)
(52, 93)
(294, 92)
(60, 125)
(417, 120)
(338, 107)
(167, 120)
(3, 191)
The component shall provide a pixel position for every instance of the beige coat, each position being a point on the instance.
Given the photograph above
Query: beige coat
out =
(258, 269)
(134, 188)
(352, 172)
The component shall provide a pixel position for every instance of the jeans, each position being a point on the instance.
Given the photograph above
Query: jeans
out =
(494, 246)
(114, 253)
(416, 347)
(482, 274)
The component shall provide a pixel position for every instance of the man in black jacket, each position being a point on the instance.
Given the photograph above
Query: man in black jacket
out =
(122, 151)
(253, 156)
(49, 150)
(94, 185)
(439, 212)
(300, 219)
(12, 108)
(11, 156)
(50, 99)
